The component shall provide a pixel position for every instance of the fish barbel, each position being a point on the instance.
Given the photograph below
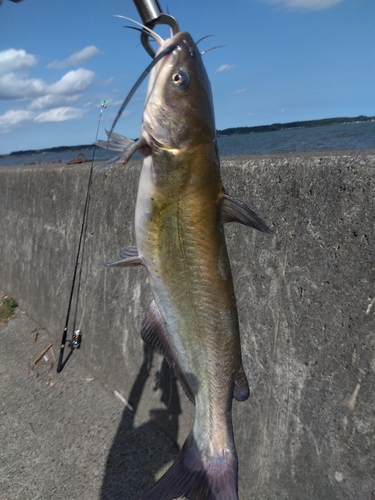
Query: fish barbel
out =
(180, 211)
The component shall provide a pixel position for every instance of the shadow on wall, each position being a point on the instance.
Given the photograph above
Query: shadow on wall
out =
(136, 455)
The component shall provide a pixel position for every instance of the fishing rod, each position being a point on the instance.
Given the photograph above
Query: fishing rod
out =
(151, 14)
(75, 342)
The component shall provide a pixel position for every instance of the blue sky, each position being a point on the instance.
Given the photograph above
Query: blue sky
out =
(282, 61)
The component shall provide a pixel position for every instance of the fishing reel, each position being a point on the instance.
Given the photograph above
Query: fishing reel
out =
(75, 343)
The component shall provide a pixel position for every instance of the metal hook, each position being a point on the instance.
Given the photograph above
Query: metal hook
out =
(151, 14)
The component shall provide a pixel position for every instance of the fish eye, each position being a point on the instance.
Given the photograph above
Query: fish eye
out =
(180, 78)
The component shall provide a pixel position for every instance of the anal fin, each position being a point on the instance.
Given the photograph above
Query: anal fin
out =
(241, 386)
(233, 210)
(154, 332)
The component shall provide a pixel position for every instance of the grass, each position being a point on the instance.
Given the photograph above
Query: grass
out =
(7, 309)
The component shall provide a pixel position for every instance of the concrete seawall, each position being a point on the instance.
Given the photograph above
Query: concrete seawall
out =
(306, 301)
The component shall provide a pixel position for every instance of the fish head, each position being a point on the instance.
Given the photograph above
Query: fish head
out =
(179, 110)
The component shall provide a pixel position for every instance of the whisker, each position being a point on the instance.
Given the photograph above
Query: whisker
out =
(212, 48)
(133, 28)
(138, 29)
(203, 38)
(154, 35)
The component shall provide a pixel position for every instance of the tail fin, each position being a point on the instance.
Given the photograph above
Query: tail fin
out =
(197, 477)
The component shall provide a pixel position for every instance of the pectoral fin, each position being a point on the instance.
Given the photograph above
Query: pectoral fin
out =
(154, 332)
(128, 252)
(233, 210)
(116, 142)
(121, 143)
(129, 257)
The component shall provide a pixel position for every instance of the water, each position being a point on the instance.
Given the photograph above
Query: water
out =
(342, 136)
(53, 157)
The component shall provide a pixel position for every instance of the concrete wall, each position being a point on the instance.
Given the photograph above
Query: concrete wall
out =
(306, 300)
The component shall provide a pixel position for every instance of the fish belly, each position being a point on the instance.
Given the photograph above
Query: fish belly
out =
(183, 246)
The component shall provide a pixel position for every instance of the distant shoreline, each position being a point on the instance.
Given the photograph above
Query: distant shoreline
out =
(57, 149)
(225, 132)
(303, 124)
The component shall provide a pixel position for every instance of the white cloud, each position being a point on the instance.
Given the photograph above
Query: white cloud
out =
(125, 113)
(13, 86)
(225, 67)
(53, 101)
(73, 82)
(60, 115)
(107, 82)
(14, 116)
(306, 4)
(241, 91)
(118, 102)
(80, 57)
(13, 60)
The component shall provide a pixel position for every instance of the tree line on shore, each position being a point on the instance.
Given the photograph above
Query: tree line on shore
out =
(303, 124)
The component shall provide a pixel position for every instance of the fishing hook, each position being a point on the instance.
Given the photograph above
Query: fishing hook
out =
(151, 14)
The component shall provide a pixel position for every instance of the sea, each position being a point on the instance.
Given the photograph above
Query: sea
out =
(333, 137)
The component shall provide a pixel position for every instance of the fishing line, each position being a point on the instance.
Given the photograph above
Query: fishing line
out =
(75, 343)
